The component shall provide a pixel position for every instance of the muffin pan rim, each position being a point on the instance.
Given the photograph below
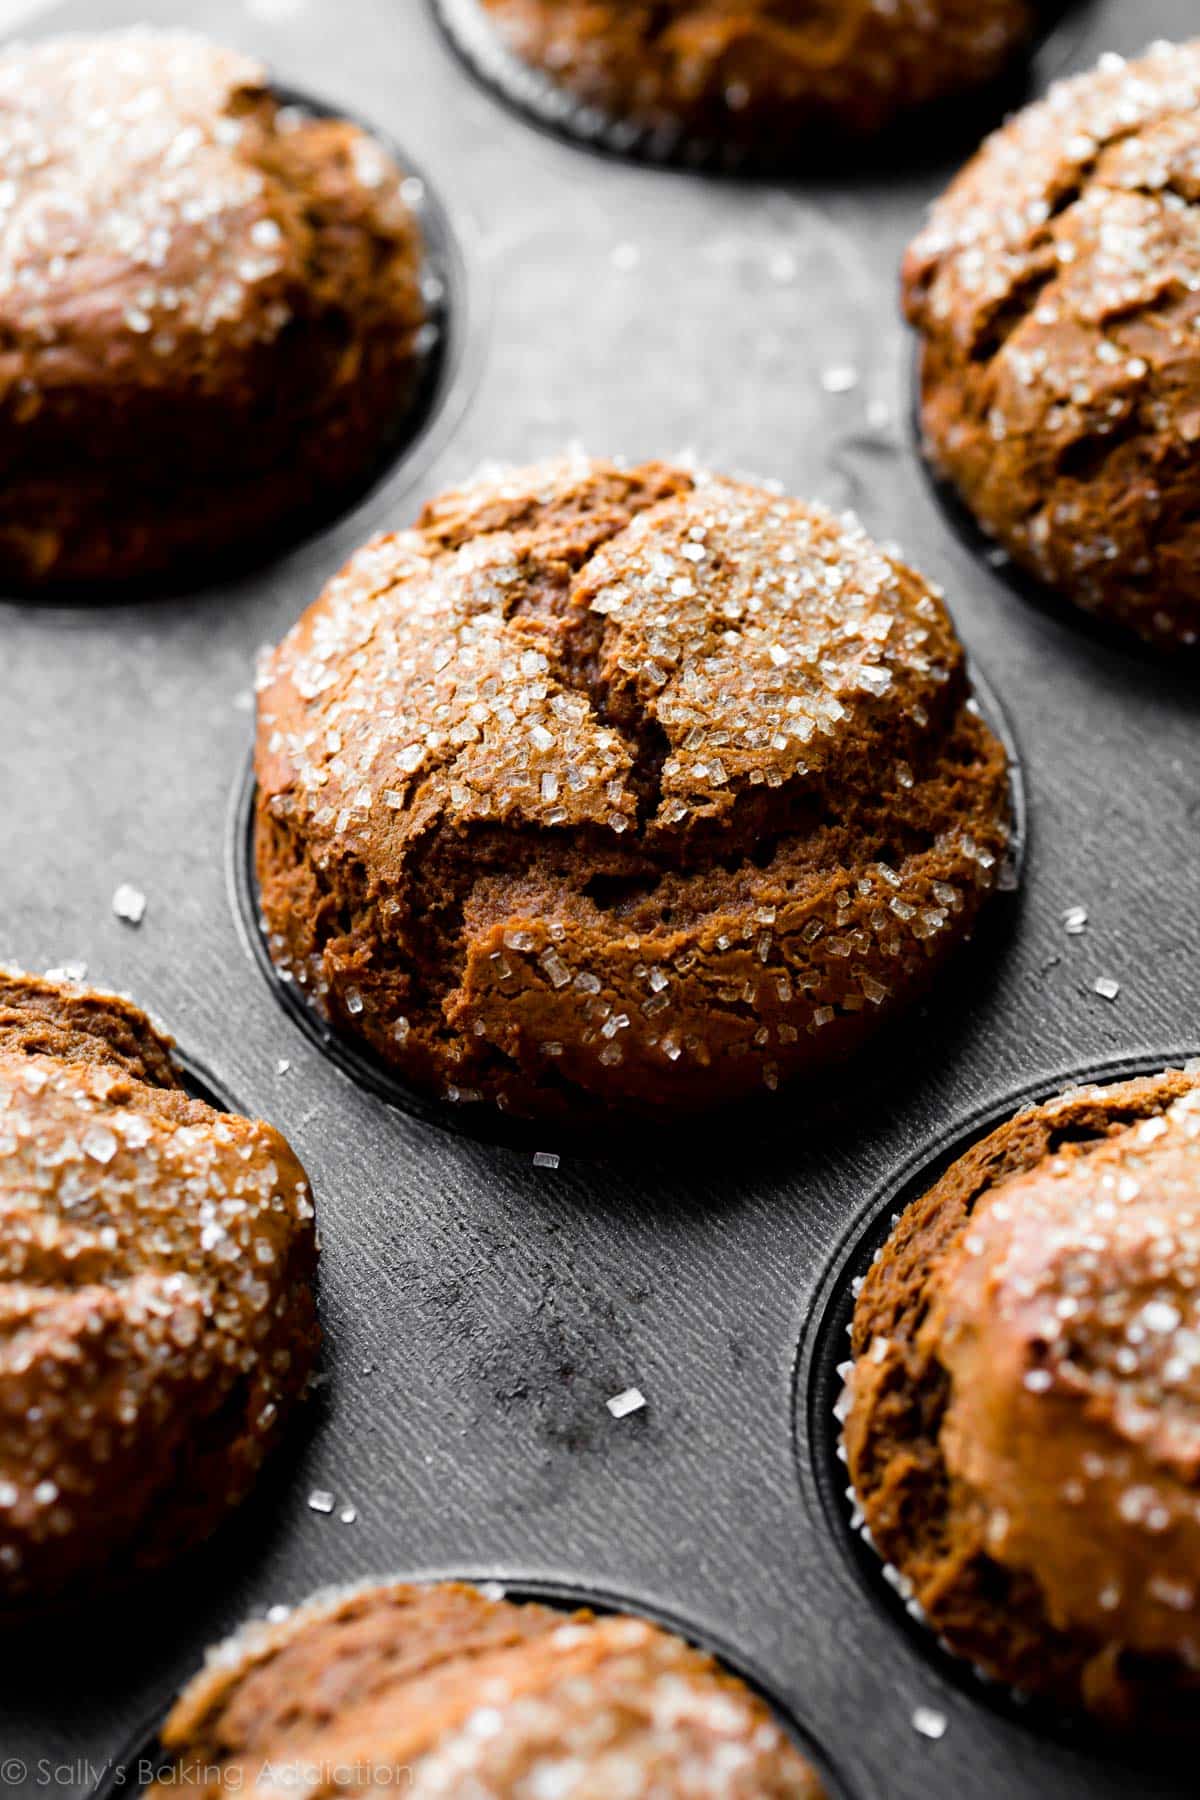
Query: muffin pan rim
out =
(567, 1594)
(823, 1343)
(488, 1124)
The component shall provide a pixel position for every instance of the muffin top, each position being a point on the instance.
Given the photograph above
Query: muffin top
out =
(1056, 288)
(775, 70)
(152, 223)
(155, 1261)
(647, 772)
(445, 1690)
(1037, 1313)
(194, 277)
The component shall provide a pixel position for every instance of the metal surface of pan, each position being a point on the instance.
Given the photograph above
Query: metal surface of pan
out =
(480, 1308)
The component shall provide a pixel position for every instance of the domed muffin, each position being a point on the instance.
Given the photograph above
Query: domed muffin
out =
(1056, 295)
(208, 307)
(440, 1690)
(1024, 1426)
(620, 788)
(157, 1321)
(762, 75)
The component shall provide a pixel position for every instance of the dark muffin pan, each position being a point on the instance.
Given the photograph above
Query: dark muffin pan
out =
(132, 1769)
(480, 1304)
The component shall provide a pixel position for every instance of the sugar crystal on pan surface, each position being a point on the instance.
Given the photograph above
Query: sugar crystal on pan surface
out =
(1075, 921)
(68, 971)
(1106, 987)
(129, 903)
(545, 1159)
(631, 1400)
(839, 379)
(928, 1722)
(321, 1500)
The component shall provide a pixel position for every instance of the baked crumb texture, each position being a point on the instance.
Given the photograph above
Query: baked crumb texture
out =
(463, 1693)
(157, 1320)
(1023, 1432)
(208, 307)
(621, 788)
(1056, 295)
(764, 74)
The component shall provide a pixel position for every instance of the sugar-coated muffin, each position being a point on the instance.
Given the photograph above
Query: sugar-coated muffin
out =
(157, 1321)
(209, 304)
(762, 74)
(1056, 295)
(443, 1691)
(631, 788)
(1023, 1433)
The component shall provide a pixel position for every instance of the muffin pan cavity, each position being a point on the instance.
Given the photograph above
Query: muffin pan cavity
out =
(131, 1772)
(910, 131)
(821, 1402)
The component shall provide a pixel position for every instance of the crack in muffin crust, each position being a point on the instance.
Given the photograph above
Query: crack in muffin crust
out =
(1056, 296)
(620, 787)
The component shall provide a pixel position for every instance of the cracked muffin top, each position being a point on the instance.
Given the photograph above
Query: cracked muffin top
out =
(157, 1320)
(208, 304)
(620, 788)
(1024, 1409)
(1056, 294)
(766, 75)
(443, 1690)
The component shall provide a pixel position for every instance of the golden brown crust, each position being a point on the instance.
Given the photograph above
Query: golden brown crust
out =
(157, 1320)
(453, 1688)
(1056, 292)
(621, 788)
(1023, 1431)
(208, 306)
(764, 73)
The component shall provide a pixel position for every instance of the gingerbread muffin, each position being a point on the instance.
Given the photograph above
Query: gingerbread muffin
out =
(766, 76)
(1023, 1432)
(620, 788)
(209, 305)
(441, 1690)
(157, 1321)
(1056, 295)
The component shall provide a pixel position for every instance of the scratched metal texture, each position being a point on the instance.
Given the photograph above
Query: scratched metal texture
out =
(479, 1309)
